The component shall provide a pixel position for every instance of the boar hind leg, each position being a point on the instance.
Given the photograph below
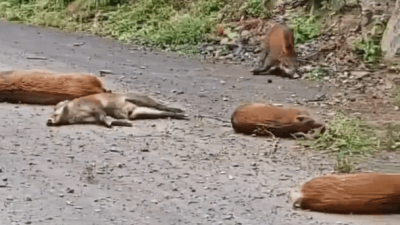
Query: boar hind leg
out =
(265, 67)
(121, 123)
(102, 119)
(149, 113)
(261, 60)
(142, 100)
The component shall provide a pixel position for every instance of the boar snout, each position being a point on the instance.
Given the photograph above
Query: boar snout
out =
(50, 122)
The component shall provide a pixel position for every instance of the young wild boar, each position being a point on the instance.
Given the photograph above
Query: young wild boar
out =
(99, 108)
(263, 119)
(46, 88)
(363, 193)
(277, 52)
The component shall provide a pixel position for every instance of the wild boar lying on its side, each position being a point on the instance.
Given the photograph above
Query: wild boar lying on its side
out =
(360, 193)
(264, 119)
(99, 108)
(46, 88)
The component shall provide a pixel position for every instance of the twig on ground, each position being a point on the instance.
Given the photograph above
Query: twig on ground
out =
(200, 117)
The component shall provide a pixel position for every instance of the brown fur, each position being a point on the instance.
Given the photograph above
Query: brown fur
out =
(46, 88)
(280, 121)
(364, 193)
(278, 51)
(255, 26)
(97, 109)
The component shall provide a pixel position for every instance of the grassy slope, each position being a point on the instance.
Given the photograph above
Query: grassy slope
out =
(174, 24)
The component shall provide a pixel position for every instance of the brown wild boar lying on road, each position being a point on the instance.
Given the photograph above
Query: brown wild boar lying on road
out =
(263, 119)
(99, 108)
(46, 88)
(364, 193)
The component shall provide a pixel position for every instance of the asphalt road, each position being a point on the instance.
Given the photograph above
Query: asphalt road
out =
(159, 171)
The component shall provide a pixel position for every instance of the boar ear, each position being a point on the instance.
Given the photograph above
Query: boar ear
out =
(65, 110)
(60, 104)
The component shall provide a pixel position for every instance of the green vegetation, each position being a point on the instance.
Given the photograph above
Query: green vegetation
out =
(179, 25)
(257, 8)
(350, 139)
(369, 51)
(346, 134)
(346, 137)
(316, 74)
(368, 46)
(305, 28)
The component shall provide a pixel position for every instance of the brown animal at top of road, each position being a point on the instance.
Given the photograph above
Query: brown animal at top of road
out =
(277, 52)
(264, 119)
(100, 108)
(363, 193)
(46, 88)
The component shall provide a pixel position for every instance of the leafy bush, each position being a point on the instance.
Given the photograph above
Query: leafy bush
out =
(369, 50)
(304, 28)
(255, 8)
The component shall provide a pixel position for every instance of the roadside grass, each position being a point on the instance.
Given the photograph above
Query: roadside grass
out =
(177, 25)
(351, 139)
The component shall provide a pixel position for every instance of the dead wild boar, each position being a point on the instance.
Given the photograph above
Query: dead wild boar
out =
(360, 193)
(101, 108)
(264, 119)
(46, 88)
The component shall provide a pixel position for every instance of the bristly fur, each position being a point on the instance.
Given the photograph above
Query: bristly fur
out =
(278, 52)
(46, 88)
(363, 193)
(263, 119)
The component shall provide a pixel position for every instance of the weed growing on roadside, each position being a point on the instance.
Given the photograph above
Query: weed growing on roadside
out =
(344, 132)
(348, 138)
